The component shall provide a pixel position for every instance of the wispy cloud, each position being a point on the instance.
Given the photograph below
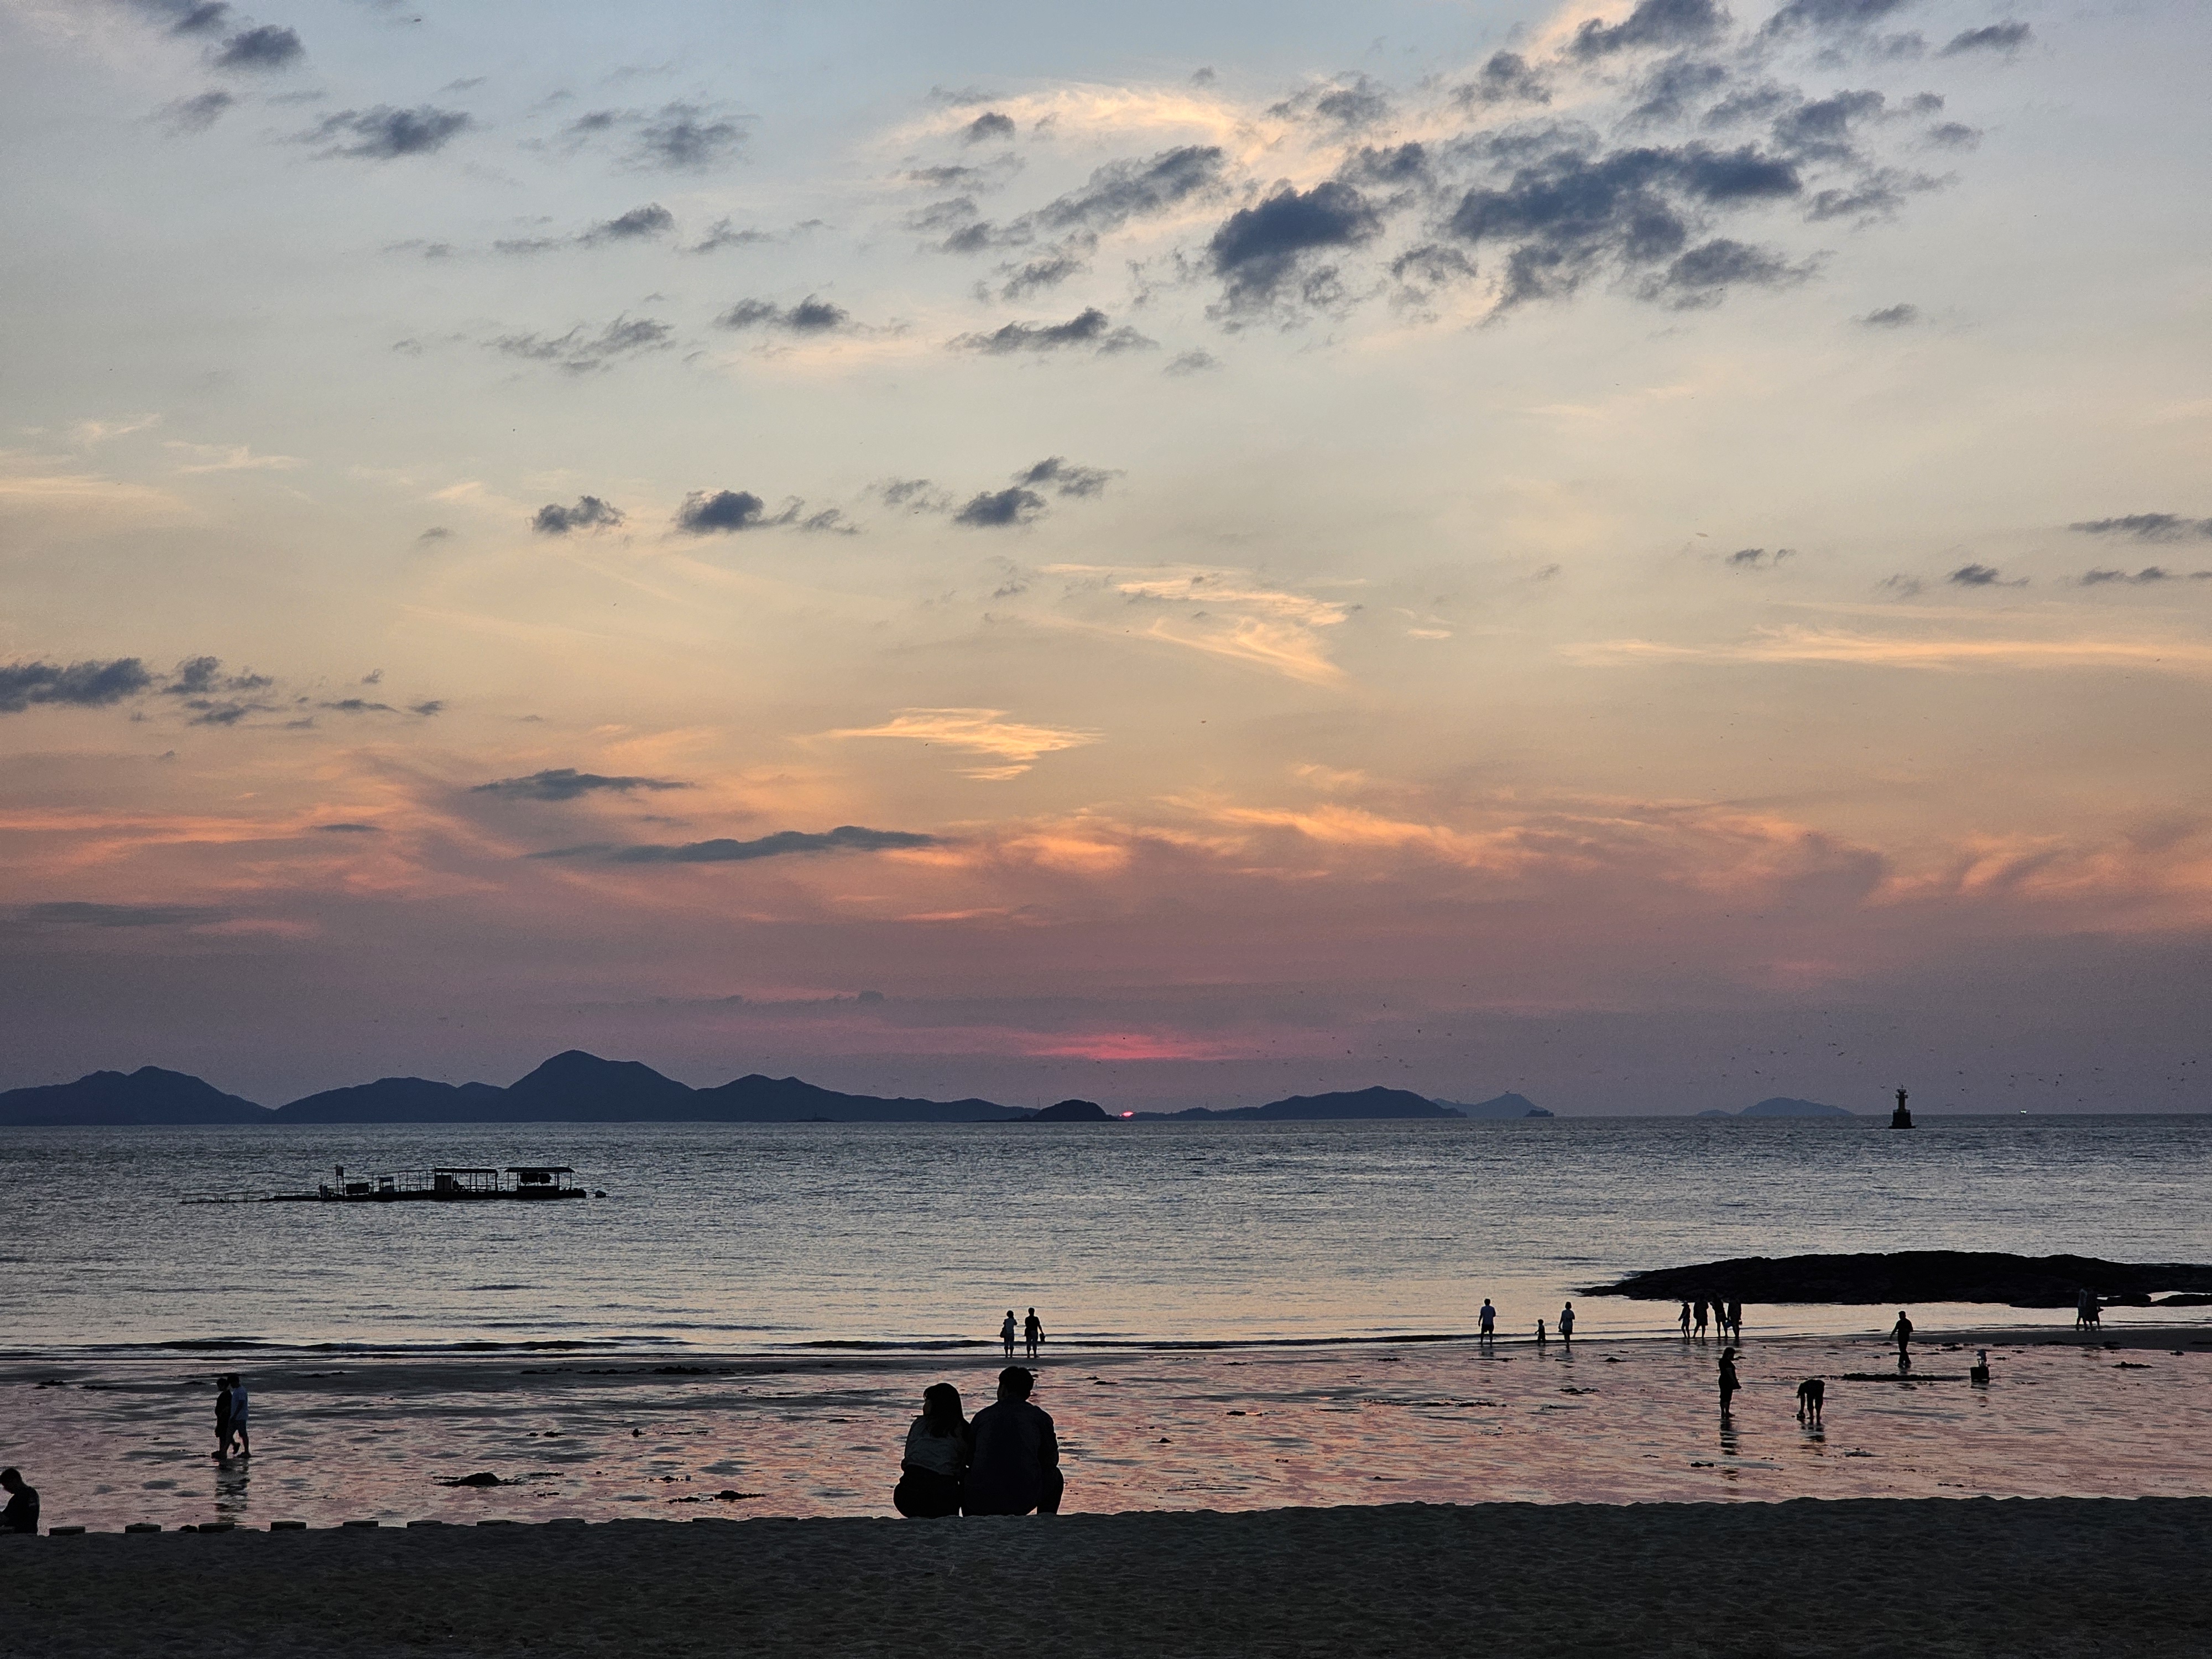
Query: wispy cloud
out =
(1011, 747)
(1797, 645)
(1229, 613)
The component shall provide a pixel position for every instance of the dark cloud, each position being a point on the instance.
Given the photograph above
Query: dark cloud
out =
(2148, 574)
(1390, 165)
(1195, 361)
(195, 114)
(1091, 328)
(564, 783)
(914, 495)
(200, 677)
(640, 222)
(949, 178)
(993, 509)
(1994, 37)
(89, 684)
(1830, 16)
(1506, 78)
(1875, 196)
(589, 513)
(436, 532)
(1954, 135)
(434, 706)
(76, 913)
(989, 125)
(1569, 214)
(1899, 315)
(1823, 128)
(846, 838)
(720, 513)
(579, 352)
(384, 133)
(1654, 23)
(1667, 92)
(348, 829)
(1702, 275)
(1258, 248)
(185, 16)
(357, 706)
(685, 138)
(1132, 189)
(1350, 103)
(268, 47)
(724, 233)
(811, 315)
(1064, 478)
(1047, 270)
(2148, 527)
(1758, 558)
(1983, 575)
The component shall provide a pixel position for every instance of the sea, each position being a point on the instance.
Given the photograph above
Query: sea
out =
(744, 1324)
(760, 1238)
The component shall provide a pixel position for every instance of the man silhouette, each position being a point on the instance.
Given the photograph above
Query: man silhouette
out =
(1033, 1333)
(1006, 1334)
(22, 1514)
(1488, 1319)
(1016, 1467)
(1567, 1324)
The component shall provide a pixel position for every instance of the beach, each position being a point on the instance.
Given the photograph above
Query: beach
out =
(2048, 1577)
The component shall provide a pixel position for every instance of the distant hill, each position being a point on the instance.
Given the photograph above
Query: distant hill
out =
(149, 1095)
(1356, 1104)
(1506, 1105)
(757, 1099)
(1070, 1111)
(395, 1100)
(1783, 1106)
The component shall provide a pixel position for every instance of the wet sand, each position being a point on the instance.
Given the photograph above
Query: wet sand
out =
(2059, 1578)
(602, 1437)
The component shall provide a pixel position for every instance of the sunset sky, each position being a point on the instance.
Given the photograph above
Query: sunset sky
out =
(1174, 554)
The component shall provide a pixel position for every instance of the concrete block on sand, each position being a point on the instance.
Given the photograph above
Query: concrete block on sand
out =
(1956, 1578)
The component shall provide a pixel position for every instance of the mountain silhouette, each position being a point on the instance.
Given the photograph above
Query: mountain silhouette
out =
(395, 1100)
(149, 1095)
(1783, 1106)
(1357, 1103)
(1506, 1105)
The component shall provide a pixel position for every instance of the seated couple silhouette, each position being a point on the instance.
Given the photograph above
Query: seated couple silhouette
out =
(1007, 1461)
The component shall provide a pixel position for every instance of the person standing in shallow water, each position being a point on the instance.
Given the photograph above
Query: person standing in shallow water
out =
(1567, 1324)
(1729, 1381)
(237, 1404)
(1006, 1334)
(222, 1402)
(1033, 1333)
(1903, 1332)
(1686, 1321)
(1487, 1319)
(1016, 1466)
(1701, 1315)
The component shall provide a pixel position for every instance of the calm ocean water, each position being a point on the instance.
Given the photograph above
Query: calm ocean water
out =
(732, 1237)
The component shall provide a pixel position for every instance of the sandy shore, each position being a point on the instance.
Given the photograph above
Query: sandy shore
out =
(2046, 1578)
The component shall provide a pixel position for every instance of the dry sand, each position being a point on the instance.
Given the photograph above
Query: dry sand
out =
(1887, 1578)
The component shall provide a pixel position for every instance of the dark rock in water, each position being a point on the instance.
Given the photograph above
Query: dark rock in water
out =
(149, 1095)
(480, 1477)
(1072, 1111)
(1901, 1278)
(1783, 1106)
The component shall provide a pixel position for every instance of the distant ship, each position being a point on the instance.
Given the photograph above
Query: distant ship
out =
(1901, 1119)
(529, 1182)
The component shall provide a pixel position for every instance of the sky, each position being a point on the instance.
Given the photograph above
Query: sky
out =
(1650, 555)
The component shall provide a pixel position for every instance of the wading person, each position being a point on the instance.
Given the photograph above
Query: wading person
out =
(1567, 1324)
(936, 1461)
(1006, 1334)
(1686, 1321)
(1487, 1319)
(224, 1400)
(1728, 1383)
(1902, 1330)
(1015, 1468)
(1033, 1333)
(237, 1403)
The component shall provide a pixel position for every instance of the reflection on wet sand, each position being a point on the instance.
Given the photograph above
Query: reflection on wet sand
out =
(1227, 1429)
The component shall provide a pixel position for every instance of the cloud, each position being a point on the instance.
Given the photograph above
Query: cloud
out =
(721, 512)
(2006, 38)
(185, 16)
(88, 684)
(1654, 23)
(589, 513)
(1702, 275)
(2142, 578)
(1010, 747)
(231, 457)
(1830, 16)
(1758, 558)
(383, 133)
(996, 508)
(579, 352)
(1197, 360)
(1569, 213)
(1226, 613)
(812, 315)
(1806, 645)
(685, 138)
(565, 783)
(1954, 135)
(1505, 78)
(1673, 86)
(1089, 328)
(268, 47)
(200, 677)
(1064, 477)
(725, 233)
(1982, 575)
(638, 223)
(1897, 316)
(1350, 102)
(347, 829)
(988, 125)
(846, 838)
(2148, 527)
(195, 114)
(1257, 249)
(74, 913)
